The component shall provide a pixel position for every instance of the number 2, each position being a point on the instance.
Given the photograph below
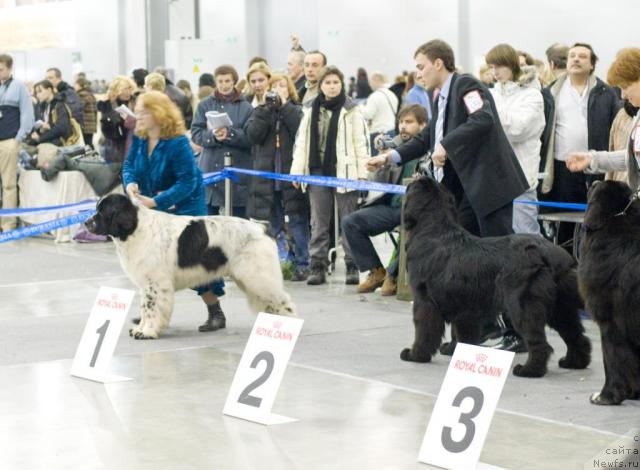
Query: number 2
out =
(466, 419)
(102, 331)
(250, 400)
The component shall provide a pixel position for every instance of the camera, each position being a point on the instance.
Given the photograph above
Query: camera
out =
(424, 167)
(384, 142)
(272, 100)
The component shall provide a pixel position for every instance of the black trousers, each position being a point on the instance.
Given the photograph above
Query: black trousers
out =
(567, 187)
(494, 224)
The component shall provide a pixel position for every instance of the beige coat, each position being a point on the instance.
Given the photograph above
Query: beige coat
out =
(352, 147)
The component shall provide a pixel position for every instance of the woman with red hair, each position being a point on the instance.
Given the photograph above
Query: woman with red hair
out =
(161, 173)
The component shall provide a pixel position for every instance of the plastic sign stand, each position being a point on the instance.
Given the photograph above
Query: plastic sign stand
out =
(465, 406)
(261, 369)
(101, 334)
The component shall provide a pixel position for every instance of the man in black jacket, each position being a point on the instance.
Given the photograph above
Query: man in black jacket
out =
(470, 150)
(67, 93)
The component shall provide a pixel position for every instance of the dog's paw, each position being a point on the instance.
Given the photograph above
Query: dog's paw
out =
(142, 335)
(408, 355)
(603, 399)
(523, 371)
(134, 331)
(447, 349)
(573, 363)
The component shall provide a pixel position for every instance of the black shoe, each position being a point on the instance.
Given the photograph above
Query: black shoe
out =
(216, 320)
(491, 333)
(136, 320)
(317, 275)
(512, 342)
(301, 274)
(353, 275)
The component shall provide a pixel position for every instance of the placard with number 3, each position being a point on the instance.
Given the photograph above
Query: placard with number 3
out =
(101, 335)
(262, 368)
(465, 406)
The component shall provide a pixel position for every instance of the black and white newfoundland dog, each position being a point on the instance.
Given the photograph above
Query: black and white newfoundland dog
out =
(609, 279)
(465, 280)
(162, 253)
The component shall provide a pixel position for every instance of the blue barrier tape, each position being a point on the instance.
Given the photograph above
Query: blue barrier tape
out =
(45, 226)
(76, 206)
(213, 178)
(558, 205)
(327, 181)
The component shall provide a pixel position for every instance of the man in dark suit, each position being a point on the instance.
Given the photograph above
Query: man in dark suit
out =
(470, 150)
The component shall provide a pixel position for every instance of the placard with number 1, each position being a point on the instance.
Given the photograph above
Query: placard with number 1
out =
(101, 335)
(262, 368)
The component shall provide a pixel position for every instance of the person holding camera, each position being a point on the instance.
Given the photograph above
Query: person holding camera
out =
(272, 130)
(381, 211)
(333, 141)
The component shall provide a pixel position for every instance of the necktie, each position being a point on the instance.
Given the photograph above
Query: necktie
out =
(438, 172)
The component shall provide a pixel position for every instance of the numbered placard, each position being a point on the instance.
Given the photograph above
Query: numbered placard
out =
(261, 369)
(465, 406)
(101, 335)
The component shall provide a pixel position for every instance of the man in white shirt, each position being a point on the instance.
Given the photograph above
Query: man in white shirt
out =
(583, 109)
(380, 109)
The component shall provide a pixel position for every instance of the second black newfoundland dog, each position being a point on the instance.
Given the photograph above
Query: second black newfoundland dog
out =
(609, 278)
(465, 280)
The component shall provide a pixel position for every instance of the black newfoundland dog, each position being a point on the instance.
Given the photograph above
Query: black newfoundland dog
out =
(465, 280)
(609, 279)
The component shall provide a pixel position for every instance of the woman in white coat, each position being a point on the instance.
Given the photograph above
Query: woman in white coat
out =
(521, 109)
(332, 140)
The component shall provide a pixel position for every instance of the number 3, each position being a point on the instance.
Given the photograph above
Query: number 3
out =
(466, 419)
(250, 400)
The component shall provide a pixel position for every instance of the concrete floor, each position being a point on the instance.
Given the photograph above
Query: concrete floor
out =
(358, 406)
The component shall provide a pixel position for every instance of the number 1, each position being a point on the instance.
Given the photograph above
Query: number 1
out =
(102, 331)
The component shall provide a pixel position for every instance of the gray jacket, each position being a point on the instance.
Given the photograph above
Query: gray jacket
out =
(619, 160)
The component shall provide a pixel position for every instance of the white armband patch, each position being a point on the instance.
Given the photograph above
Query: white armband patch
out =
(473, 101)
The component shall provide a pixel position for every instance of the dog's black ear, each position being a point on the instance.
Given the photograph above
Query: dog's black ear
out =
(119, 215)
(606, 200)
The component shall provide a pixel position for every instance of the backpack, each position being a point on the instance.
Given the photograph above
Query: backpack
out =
(76, 137)
(111, 123)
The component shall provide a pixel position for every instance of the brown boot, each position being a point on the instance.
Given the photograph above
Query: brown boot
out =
(373, 281)
(389, 286)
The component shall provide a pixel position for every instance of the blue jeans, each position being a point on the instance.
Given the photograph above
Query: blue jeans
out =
(358, 228)
(525, 216)
(298, 229)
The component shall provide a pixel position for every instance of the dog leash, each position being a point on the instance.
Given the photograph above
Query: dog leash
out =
(632, 199)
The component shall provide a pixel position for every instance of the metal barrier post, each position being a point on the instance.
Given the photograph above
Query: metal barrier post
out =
(228, 188)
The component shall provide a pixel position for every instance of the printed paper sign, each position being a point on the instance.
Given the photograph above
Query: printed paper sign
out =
(261, 369)
(473, 101)
(465, 407)
(101, 334)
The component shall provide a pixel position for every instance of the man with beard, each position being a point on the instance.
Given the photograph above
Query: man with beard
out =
(382, 214)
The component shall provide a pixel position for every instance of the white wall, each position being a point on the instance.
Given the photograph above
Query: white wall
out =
(533, 26)
(377, 34)
(224, 23)
(89, 41)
